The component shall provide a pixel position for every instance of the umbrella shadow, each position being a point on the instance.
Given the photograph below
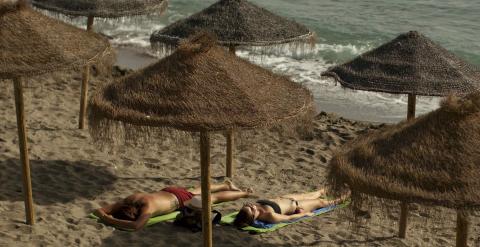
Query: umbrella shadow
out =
(55, 181)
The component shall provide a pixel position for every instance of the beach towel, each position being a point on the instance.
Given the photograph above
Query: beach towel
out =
(152, 221)
(263, 227)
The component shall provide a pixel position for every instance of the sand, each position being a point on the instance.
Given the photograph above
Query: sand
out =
(72, 177)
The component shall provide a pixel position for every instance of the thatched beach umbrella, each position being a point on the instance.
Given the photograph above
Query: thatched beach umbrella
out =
(410, 64)
(431, 160)
(102, 9)
(200, 88)
(236, 23)
(32, 44)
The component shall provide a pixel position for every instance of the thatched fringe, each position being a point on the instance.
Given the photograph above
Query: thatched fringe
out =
(462, 106)
(113, 133)
(109, 134)
(298, 47)
(82, 20)
(117, 12)
(364, 208)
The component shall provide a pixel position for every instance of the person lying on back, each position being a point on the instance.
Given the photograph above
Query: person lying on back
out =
(284, 208)
(134, 211)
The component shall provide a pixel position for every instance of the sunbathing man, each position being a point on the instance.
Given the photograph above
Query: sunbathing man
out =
(284, 208)
(134, 211)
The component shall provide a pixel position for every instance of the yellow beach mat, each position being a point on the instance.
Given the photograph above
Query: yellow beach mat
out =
(263, 227)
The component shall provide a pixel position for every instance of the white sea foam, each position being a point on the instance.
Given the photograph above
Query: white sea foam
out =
(331, 97)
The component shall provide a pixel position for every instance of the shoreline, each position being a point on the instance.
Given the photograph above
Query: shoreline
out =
(342, 103)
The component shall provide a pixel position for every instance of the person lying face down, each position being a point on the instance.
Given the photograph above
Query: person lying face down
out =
(284, 208)
(134, 211)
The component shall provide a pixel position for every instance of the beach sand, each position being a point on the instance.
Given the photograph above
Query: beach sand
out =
(72, 177)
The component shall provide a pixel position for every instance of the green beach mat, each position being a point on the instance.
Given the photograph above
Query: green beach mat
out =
(262, 227)
(154, 220)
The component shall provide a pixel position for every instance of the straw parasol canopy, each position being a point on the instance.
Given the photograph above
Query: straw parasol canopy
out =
(410, 64)
(199, 88)
(236, 23)
(103, 8)
(432, 160)
(33, 44)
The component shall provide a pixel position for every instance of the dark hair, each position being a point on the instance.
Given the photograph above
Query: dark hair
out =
(127, 212)
(243, 218)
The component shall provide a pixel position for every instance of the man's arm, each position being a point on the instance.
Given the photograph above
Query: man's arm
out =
(126, 224)
(104, 215)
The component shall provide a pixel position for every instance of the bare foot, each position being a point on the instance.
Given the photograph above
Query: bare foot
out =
(231, 186)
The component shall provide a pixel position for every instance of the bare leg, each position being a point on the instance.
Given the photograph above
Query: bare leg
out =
(306, 196)
(227, 196)
(313, 204)
(225, 186)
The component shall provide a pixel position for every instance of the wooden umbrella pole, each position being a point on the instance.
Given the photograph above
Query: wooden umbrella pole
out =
(402, 229)
(90, 23)
(462, 228)
(412, 101)
(206, 199)
(232, 49)
(229, 161)
(229, 153)
(22, 142)
(85, 79)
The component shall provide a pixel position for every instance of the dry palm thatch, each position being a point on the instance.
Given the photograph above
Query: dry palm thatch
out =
(200, 87)
(432, 160)
(237, 23)
(409, 64)
(33, 44)
(103, 8)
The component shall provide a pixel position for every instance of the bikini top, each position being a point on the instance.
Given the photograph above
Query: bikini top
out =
(273, 205)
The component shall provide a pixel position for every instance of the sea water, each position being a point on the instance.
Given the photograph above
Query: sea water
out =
(345, 29)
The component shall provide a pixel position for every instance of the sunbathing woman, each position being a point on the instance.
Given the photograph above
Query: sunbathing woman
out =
(134, 211)
(285, 208)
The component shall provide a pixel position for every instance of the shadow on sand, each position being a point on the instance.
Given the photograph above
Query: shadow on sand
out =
(166, 234)
(55, 181)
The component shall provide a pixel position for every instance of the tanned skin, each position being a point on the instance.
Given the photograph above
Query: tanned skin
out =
(307, 203)
(161, 202)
